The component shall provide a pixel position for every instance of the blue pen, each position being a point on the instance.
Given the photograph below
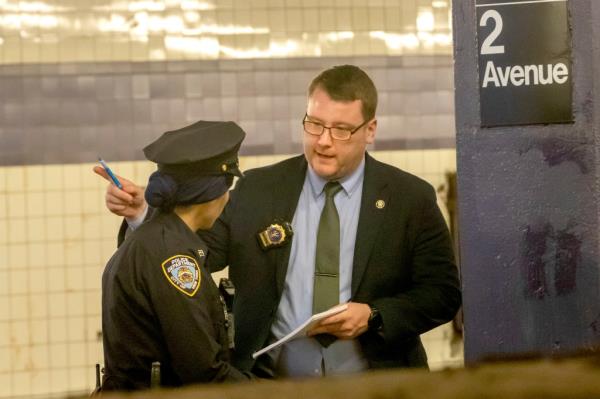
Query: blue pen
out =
(110, 173)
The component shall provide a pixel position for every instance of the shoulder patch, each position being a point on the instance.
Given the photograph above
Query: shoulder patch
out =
(183, 272)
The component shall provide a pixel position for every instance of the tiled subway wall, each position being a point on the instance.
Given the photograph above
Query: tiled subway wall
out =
(51, 31)
(72, 113)
(55, 238)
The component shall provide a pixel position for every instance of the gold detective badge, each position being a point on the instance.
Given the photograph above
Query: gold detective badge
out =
(275, 235)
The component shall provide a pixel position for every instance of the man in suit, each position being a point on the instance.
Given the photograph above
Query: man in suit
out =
(334, 225)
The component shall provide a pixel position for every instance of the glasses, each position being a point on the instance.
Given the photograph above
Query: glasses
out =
(337, 133)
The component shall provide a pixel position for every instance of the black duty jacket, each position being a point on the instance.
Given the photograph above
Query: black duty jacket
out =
(160, 304)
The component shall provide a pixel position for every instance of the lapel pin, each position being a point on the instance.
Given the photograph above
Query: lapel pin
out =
(380, 204)
(201, 253)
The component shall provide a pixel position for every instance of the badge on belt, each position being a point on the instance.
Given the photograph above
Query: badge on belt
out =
(275, 235)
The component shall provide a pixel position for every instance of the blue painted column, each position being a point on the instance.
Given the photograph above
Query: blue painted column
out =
(529, 208)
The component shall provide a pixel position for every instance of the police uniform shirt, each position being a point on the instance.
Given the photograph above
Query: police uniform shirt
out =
(160, 304)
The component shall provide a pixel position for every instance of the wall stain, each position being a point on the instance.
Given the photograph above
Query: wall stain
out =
(548, 253)
(534, 260)
(568, 255)
(557, 150)
(595, 326)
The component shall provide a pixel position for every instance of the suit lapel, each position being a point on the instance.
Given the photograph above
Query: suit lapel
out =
(372, 212)
(285, 202)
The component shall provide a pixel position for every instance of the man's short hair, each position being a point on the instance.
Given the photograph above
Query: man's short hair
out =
(348, 83)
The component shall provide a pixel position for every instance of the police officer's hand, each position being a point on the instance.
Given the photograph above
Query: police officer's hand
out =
(128, 202)
(348, 324)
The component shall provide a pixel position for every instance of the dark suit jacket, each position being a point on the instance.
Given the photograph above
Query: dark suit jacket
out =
(403, 260)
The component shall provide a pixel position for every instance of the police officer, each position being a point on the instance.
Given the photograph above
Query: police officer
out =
(159, 303)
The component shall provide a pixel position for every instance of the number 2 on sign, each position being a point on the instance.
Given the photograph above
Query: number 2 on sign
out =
(487, 47)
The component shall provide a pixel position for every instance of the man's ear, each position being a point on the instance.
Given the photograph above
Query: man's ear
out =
(371, 130)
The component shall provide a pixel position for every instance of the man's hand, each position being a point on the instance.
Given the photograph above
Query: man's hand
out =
(348, 324)
(128, 202)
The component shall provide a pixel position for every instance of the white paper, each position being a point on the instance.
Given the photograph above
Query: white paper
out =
(301, 330)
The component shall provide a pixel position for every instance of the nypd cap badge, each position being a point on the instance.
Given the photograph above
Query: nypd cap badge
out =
(183, 273)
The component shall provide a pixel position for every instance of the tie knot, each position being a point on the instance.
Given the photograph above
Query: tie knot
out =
(332, 188)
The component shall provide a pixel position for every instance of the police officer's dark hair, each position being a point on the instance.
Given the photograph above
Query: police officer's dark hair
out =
(348, 83)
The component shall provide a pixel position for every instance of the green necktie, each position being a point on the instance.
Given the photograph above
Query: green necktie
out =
(327, 260)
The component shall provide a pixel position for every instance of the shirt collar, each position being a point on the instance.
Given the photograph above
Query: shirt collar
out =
(349, 183)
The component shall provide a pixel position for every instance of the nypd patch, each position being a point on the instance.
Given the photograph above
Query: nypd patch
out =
(183, 272)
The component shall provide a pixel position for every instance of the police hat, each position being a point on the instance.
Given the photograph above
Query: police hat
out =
(203, 148)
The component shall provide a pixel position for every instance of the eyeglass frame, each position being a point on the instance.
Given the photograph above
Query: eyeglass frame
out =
(356, 129)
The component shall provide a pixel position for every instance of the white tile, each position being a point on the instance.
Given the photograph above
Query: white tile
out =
(93, 325)
(75, 304)
(3, 281)
(72, 205)
(19, 307)
(35, 204)
(15, 179)
(71, 177)
(91, 253)
(16, 205)
(73, 251)
(73, 226)
(293, 20)
(56, 278)
(4, 337)
(38, 306)
(19, 337)
(76, 328)
(21, 383)
(34, 178)
(3, 237)
(55, 254)
(5, 368)
(93, 278)
(37, 254)
(19, 281)
(57, 330)
(89, 179)
(4, 308)
(35, 230)
(125, 169)
(82, 378)
(75, 276)
(40, 381)
(55, 228)
(53, 177)
(3, 205)
(58, 356)
(93, 303)
(143, 170)
(39, 358)
(54, 203)
(59, 378)
(91, 227)
(93, 201)
(59, 304)
(17, 228)
(39, 332)
(95, 353)
(77, 355)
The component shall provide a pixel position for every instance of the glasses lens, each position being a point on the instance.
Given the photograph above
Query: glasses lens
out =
(312, 128)
(340, 134)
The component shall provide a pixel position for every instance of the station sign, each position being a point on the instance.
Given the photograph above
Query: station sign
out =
(524, 52)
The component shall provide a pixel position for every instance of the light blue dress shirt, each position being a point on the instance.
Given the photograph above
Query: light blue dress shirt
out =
(305, 356)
